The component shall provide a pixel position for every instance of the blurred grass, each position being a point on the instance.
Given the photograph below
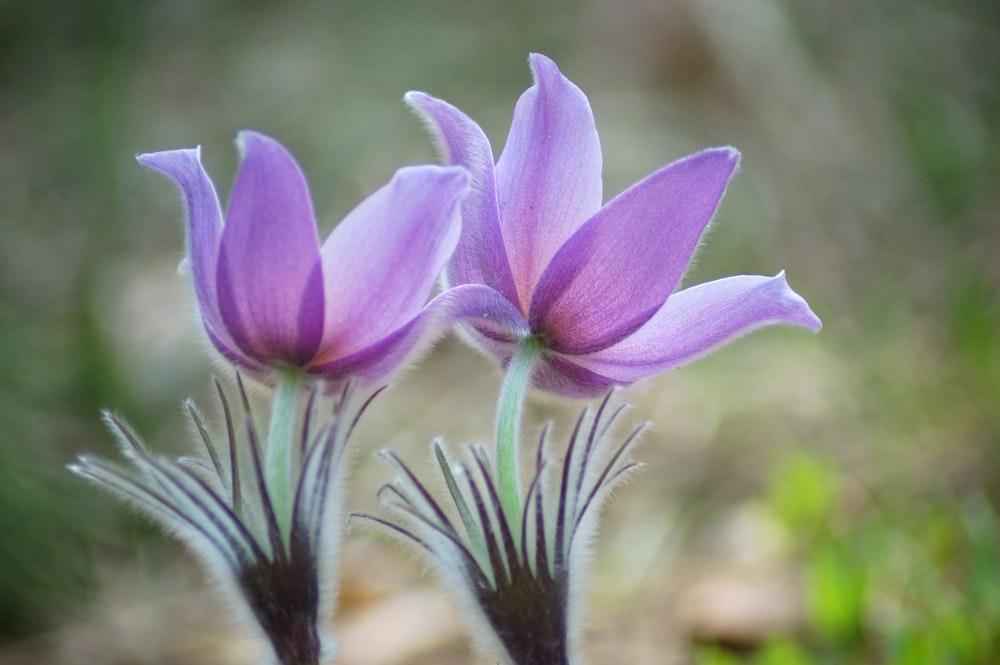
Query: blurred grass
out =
(863, 464)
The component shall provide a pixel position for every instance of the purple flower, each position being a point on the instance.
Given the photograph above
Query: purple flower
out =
(593, 286)
(270, 295)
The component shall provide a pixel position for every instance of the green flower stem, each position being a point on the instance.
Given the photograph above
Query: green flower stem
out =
(277, 456)
(510, 407)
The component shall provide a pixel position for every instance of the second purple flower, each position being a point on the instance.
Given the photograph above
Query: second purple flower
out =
(592, 285)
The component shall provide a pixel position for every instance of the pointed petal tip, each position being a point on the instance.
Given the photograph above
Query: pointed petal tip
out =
(725, 150)
(544, 70)
(432, 112)
(538, 61)
(423, 106)
(454, 178)
(415, 97)
(250, 139)
(161, 159)
(254, 134)
(717, 164)
(443, 171)
(807, 317)
(732, 154)
(727, 157)
(698, 320)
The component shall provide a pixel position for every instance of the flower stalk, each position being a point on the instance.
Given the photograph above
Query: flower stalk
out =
(510, 410)
(223, 503)
(279, 449)
(520, 584)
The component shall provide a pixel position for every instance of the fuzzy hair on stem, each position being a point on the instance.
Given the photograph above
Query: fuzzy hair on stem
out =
(522, 588)
(283, 586)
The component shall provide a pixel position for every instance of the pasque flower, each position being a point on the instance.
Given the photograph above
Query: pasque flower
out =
(264, 512)
(270, 296)
(276, 303)
(593, 287)
(521, 581)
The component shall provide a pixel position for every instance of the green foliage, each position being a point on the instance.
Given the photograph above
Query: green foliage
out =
(837, 593)
(718, 656)
(909, 584)
(783, 652)
(803, 495)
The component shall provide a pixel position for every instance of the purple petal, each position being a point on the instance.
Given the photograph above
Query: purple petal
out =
(549, 175)
(697, 320)
(480, 257)
(466, 303)
(380, 264)
(562, 376)
(232, 354)
(203, 229)
(270, 278)
(614, 273)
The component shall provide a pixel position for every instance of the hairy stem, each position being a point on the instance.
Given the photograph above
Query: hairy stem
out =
(280, 434)
(510, 408)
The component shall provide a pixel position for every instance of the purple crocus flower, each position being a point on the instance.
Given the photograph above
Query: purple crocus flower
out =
(271, 296)
(592, 286)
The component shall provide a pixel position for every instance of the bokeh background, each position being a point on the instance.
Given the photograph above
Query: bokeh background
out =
(806, 499)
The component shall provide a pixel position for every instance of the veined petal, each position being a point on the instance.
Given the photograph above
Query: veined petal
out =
(614, 273)
(499, 343)
(564, 376)
(476, 303)
(480, 257)
(380, 264)
(698, 320)
(269, 278)
(232, 353)
(202, 231)
(549, 175)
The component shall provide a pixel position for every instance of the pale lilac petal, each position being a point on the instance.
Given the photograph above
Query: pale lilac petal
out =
(698, 320)
(232, 353)
(614, 273)
(562, 376)
(549, 175)
(471, 303)
(480, 257)
(270, 280)
(499, 343)
(203, 229)
(380, 264)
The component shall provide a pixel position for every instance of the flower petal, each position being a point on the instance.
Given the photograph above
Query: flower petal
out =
(469, 303)
(549, 175)
(202, 232)
(698, 320)
(614, 273)
(380, 264)
(269, 277)
(562, 376)
(480, 257)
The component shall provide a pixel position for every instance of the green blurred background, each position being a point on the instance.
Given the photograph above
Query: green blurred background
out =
(828, 499)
